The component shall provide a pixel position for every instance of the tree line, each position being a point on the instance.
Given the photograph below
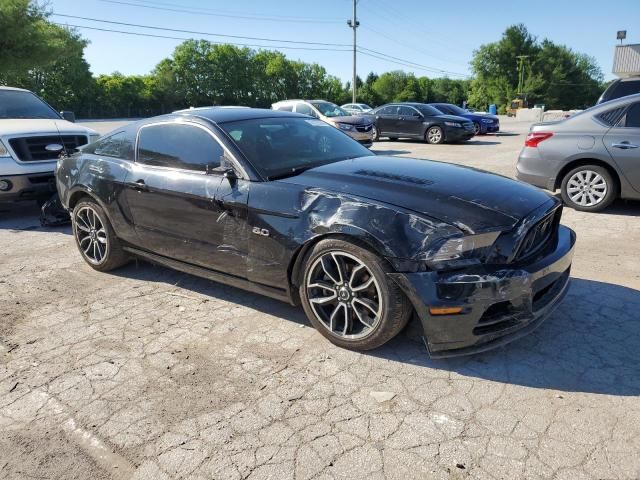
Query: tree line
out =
(49, 60)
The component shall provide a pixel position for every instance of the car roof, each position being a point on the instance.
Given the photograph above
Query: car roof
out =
(226, 114)
(14, 89)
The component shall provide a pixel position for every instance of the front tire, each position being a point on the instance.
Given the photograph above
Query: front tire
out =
(95, 238)
(376, 134)
(588, 188)
(348, 297)
(434, 135)
(476, 128)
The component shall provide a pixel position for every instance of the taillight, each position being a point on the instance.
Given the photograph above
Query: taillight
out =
(534, 138)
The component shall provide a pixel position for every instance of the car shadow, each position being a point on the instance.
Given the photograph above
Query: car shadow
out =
(623, 207)
(25, 216)
(480, 142)
(589, 344)
(504, 134)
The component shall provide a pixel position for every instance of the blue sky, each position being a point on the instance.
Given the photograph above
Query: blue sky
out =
(437, 35)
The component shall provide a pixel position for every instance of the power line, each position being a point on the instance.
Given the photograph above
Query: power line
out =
(404, 64)
(195, 11)
(409, 62)
(398, 60)
(241, 37)
(214, 10)
(140, 34)
(406, 44)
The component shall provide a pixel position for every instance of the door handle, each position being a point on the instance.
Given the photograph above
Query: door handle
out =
(624, 145)
(140, 186)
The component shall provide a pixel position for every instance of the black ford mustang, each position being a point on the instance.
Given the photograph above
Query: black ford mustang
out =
(287, 206)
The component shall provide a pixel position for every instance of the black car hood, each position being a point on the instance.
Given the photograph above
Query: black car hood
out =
(470, 199)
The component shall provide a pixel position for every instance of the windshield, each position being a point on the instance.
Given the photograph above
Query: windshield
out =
(279, 147)
(429, 110)
(329, 109)
(19, 104)
(456, 110)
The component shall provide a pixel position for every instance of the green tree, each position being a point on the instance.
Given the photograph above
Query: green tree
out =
(27, 39)
(554, 74)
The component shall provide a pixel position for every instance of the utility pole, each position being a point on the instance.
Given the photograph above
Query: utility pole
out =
(354, 24)
(521, 64)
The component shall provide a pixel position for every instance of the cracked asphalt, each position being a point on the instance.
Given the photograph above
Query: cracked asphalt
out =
(147, 373)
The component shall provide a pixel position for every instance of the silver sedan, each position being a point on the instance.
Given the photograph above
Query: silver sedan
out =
(592, 157)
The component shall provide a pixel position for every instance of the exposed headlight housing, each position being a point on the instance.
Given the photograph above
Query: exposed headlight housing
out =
(461, 252)
(345, 126)
(453, 124)
(4, 152)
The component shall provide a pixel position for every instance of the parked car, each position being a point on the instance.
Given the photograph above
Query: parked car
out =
(286, 206)
(419, 120)
(32, 137)
(356, 108)
(593, 157)
(483, 123)
(358, 128)
(620, 88)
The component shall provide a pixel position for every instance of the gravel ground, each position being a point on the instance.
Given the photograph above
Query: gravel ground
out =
(147, 373)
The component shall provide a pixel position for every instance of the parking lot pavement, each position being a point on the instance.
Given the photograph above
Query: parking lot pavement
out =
(147, 373)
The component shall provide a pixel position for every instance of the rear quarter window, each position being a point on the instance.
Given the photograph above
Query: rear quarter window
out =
(611, 117)
(118, 145)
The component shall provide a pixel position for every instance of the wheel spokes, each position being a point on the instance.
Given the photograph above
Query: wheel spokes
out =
(343, 295)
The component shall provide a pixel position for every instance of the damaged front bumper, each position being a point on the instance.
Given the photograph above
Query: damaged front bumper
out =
(498, 304)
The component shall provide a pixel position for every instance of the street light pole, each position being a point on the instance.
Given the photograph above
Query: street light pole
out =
(354, 24)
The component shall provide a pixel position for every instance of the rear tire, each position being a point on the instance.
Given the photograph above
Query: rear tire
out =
(95, 238)
(589, 188)
(349, 298)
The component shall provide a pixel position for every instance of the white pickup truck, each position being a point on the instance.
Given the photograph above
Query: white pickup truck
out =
(32, 137)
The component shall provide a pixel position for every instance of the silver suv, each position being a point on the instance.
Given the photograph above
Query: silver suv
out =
(358, 128)
(32, 138)
(592, 157)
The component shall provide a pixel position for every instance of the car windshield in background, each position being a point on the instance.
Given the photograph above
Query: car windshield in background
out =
(18, 104)
(281, 147)
(329, 109)
(456, 110)
(429, 110)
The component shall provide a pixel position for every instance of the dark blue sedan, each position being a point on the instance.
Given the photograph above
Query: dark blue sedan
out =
(482, 122)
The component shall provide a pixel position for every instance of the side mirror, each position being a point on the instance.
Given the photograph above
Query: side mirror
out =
(68, 116)
(230, 174)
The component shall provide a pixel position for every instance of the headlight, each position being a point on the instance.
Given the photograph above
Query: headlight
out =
(463, 251)
(486, 120)
(4, 152)
(453, 124)
(345, 126)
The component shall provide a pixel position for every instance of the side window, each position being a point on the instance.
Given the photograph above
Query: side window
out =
(633, 116)
(611, 117)
(390, 110)
(285, 108)
(305, 109)
(406, 111)
(117, 145)
(444, 109)
(178, 146)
